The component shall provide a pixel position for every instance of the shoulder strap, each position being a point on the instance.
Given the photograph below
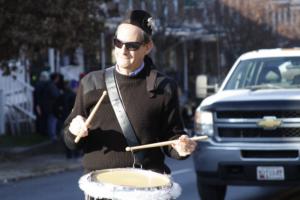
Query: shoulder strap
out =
(118, 107)
(151, 82)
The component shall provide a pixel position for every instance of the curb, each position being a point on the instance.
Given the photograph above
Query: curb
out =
(47, 158)
(36, 166)
(28, 175)
(42, 148)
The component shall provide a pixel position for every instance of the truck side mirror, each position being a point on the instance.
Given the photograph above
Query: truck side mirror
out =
(201, 86)
(203, 89)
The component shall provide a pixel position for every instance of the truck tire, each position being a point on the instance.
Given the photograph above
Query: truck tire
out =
(211, 192)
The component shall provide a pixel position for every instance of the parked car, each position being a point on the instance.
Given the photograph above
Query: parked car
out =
(253, 125)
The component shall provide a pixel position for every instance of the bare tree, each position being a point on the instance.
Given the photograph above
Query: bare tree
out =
(61, 24)
(245, 26)
(242, 25)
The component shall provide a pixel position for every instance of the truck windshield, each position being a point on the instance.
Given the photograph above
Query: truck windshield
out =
(266, 73)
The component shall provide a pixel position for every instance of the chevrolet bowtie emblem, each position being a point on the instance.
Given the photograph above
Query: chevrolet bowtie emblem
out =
(269, 122)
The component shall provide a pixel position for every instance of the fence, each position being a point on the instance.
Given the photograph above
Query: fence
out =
(17, 105)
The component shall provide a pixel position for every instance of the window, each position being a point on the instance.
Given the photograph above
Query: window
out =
(264, 73)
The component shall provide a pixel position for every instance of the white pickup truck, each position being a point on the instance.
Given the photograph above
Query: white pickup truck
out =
(253, 125)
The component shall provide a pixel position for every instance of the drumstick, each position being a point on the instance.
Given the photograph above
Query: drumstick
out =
(160, 144)
(92, 114)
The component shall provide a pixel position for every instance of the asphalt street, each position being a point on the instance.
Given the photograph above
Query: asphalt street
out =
(64, 185)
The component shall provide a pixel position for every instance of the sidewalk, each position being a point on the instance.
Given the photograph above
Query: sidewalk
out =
(40, 160)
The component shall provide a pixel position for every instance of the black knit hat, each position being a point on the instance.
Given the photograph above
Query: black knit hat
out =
(141, 19)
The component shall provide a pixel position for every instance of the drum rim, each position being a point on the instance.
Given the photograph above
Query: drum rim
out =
(123, 187)
(99, 190)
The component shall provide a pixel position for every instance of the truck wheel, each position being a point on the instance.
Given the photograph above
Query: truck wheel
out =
(211, 192)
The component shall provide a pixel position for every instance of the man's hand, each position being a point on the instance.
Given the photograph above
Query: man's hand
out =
(78, 127)
(184, 145)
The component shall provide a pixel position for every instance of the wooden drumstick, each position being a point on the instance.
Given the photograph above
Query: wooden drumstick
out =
(160, 144)
(92, 114)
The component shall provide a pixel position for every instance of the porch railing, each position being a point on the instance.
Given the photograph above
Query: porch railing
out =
(18, 105)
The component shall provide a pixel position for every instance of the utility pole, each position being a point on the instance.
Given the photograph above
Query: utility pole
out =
(185, 68)
(57, 61)
(51, 59)
(2, 123)
(103, 59)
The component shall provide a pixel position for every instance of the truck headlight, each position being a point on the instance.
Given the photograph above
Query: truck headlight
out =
(203, 123)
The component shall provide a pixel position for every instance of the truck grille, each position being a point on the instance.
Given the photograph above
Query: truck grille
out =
(258, 114)
(243, 124)
(258, 133)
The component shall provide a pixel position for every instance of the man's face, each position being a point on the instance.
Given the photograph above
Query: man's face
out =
(127, 58)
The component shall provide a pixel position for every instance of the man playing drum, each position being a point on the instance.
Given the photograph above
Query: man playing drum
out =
(149, 99)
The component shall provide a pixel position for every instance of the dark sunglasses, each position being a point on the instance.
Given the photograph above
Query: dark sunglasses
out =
(130, 46)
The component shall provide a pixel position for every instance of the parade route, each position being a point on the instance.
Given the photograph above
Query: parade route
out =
(35, 166)
(50, 172)
(41, 160)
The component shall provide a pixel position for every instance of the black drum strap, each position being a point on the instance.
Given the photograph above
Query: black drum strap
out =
(119, 109)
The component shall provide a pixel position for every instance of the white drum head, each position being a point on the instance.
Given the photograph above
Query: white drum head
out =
(129, 183)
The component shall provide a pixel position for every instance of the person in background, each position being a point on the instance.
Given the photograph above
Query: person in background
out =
(39, 102)
(63, 108)
(150, 100)
(52, 93)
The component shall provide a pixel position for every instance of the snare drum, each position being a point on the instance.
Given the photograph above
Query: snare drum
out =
(129, 183)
